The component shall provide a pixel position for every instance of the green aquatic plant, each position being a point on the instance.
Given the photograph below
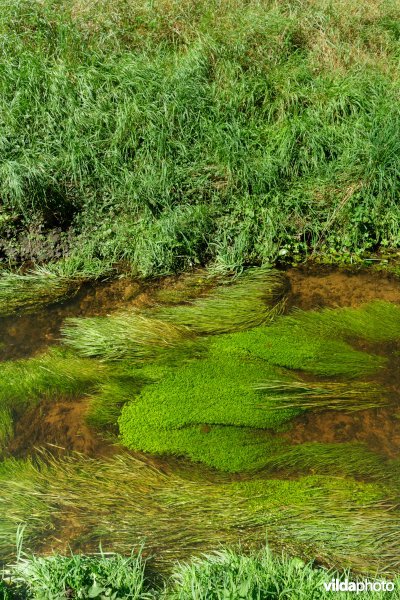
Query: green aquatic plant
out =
(55, 374)
(376, 321)
(347, 458)
(27, 293)
(122, 336)
(341, 520)
(287, 344)
(255, 297)
(206, 409)
(326, 395)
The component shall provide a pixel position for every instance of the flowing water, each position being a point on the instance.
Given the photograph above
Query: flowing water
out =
(59, 425)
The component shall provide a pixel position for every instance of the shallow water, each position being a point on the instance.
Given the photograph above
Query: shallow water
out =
(59, 426)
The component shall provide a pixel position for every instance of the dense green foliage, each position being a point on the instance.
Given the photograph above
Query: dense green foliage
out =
(343, 521)
(235, 389)
(225, 574)
(105, 576)
(170, 133)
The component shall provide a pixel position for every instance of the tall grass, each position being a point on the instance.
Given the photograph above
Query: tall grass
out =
(227, 574)
(234, 575)
(101, 576)
(170, 134)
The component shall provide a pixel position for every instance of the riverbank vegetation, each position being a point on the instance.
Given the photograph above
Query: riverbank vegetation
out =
(156, 136)
(227, 573)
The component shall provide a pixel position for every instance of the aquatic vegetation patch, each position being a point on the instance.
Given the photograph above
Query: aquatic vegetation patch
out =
(348, 458)
(286, 344)
(327, 395)
(376, 321)
(257, 296)
(53, 376)
(56, 374)
(128, 335)
(208, 410)
(27, 293)
(341, 520)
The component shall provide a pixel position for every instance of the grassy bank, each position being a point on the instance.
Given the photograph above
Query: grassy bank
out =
(225, 574)
(163, 134)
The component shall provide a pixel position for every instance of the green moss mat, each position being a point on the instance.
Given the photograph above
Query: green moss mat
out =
(294, 348)
(182, 412)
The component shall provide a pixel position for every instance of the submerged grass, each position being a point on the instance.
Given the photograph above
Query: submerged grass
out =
(256, 297)
(27, 293)
(326, 395)
(56, 374)
(123, 336)
(344, 522)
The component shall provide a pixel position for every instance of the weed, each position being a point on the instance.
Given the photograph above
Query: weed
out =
(175, 134)
(255, 297)
(26, 293)
(339, 519)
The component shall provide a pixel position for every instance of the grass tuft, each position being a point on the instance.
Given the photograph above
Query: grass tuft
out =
(254, 298)
(27, 293)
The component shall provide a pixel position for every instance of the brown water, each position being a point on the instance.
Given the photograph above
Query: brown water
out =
(60, 425)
